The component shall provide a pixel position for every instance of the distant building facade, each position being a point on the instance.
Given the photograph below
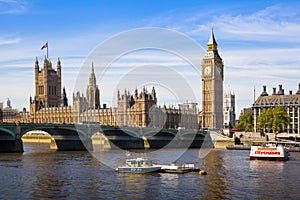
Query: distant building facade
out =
(8, 114)
(245, 110)
(290, 101)
(140, 109)
(229, 109)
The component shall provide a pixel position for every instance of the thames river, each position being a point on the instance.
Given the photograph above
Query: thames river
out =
(41, 173)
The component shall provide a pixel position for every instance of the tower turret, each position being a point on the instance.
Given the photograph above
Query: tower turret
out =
(153, 93)
(58, 67)
(64, 98)
(47, 86)
(92, 91)
(92, 79)
(36, 65)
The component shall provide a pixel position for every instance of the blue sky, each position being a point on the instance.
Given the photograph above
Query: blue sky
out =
(258, 40)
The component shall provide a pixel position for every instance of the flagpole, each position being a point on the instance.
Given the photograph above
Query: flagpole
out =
(47, 49)
(254, 94)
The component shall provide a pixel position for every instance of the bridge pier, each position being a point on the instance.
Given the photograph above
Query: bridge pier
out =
(73, 144)
(11, 146)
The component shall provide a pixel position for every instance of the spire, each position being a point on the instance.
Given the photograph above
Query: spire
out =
(212, 39)
(65, 99)
(36, 65)
(92, 80)
(153, 93)
(212, 44)
(93, 71)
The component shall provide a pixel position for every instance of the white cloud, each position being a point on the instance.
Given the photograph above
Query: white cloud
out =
(271, 24)
(245, 69)
(260, 48)
(7, 40)
(12, 6)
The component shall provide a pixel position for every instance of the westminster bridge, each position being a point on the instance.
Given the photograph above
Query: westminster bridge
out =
(74, 137)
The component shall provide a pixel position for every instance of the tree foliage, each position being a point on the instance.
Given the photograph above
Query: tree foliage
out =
(245, 122)
(273, 119)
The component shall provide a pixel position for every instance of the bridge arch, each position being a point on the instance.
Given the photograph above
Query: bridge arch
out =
(66, 137)
(160, 133)
(7, 134)
(191, 133)
(122, 137)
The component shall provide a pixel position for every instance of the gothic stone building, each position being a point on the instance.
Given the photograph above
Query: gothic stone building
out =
(212, 86)
(229, 110)
(140, 109)
(290, 101)
(50, 103)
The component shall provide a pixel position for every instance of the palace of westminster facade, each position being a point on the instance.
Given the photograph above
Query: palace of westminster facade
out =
(50, 103)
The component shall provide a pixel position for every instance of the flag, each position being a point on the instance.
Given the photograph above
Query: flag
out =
(44, 46)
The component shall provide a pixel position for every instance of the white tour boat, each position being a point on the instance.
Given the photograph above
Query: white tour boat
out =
(269, 151)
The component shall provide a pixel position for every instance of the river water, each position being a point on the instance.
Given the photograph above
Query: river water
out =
(41, 173)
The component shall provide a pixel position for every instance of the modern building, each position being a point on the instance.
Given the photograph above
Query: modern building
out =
(290, 101)
(212, 86)
(229, 109)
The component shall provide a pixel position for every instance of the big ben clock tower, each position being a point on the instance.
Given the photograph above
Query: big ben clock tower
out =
(212, 86)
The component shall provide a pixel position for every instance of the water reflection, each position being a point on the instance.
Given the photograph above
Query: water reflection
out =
(43, 173)
(216, 184)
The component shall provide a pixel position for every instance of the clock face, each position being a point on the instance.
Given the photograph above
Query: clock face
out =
(219, 69)
(207, 70)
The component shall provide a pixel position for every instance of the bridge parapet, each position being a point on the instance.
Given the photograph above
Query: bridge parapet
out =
(79, 136)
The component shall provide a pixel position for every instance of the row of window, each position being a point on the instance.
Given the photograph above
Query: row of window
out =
(51, 90)
(276, 104)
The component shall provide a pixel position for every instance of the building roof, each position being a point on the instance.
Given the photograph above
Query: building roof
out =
(212, 39)
(277, 99)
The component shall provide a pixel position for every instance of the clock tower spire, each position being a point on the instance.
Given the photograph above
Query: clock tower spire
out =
(212, 86)
(212, 44)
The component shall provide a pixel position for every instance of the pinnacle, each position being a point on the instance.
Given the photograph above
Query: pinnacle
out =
(212, 39)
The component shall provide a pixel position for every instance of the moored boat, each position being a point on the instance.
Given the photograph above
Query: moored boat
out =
(138, 165)
(269, 151)
(177, 168)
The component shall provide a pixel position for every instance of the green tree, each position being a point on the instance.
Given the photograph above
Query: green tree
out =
(280, 119)
(273, 119)
(245, 122)
(265, 120)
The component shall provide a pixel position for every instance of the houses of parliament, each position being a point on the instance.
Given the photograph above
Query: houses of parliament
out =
(139, 108)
